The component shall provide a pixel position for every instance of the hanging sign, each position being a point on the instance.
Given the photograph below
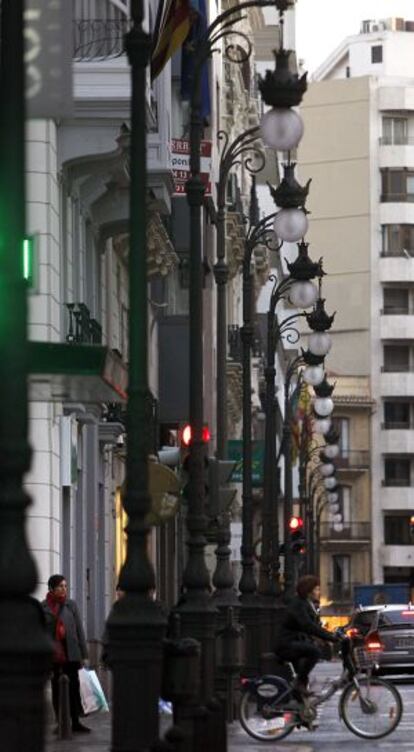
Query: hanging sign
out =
(180, 158)
(48, 58)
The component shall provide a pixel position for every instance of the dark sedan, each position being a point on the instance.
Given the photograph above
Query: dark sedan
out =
(387, 631)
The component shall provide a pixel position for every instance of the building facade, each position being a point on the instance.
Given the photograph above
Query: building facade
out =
(357, 146)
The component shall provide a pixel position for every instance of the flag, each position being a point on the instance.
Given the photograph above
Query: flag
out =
(173, 22)
(301, 425)
(198, 29)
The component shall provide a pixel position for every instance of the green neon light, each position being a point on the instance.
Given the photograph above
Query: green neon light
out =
(27, 259)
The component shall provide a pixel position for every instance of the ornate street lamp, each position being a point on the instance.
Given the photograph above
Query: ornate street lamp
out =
(25, 650)
(137, 624)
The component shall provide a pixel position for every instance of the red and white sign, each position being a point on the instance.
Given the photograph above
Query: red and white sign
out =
(180, 158)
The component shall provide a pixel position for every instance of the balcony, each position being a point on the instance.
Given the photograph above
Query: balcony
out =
(396, 211)
(397, 268)
(99, 28)
(353, 459)
(397, 153)
(397, 497)
(397, 440)
(398, 325)
(397, 383)
(82, 328)
(352, 531)
(341, 591)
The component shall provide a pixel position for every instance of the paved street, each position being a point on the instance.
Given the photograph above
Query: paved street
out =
(330, 736)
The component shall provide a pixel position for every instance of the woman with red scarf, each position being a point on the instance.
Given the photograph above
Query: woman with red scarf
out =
(70, 650)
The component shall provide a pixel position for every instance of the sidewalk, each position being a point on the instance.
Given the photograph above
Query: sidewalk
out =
(99, 738)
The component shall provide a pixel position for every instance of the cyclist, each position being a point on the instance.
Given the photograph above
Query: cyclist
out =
(299, 626)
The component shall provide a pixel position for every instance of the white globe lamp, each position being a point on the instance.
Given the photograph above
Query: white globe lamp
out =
(282, 129)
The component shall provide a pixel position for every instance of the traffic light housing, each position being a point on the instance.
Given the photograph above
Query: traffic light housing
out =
(185, 437)
(412, 527)
(296, 535)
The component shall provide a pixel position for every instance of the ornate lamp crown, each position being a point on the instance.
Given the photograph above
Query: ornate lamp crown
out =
(326, 460)
(303, 268)
(282, 88)
(324, 389)
(290, 194)
(318, 319)
(310, 359)
(332, 437)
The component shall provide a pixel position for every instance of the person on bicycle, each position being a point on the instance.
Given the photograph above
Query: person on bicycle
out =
(299, 625)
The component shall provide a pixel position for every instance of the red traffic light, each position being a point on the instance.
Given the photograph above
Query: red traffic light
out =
(187, 435)
(295, 523)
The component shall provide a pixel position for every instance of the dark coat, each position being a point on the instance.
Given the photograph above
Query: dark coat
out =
(301, 622)
(75, 642)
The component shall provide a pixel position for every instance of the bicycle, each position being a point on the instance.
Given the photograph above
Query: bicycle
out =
(370, 707)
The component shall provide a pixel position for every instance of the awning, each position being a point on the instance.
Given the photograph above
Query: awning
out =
(75, 373)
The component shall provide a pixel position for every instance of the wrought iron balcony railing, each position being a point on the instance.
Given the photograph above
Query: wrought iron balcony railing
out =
(82, 328)
(99, 38)
(351, 531)
(341, 591)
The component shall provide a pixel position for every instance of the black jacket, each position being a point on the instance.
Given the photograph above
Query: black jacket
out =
(301, 622)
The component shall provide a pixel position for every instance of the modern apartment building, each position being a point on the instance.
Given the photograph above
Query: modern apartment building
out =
(358, 148)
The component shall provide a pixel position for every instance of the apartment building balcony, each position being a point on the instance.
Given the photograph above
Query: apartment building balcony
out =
(397, 209)
(397, 439)
(397, 383)
(396, 153)
(351, 532)
(397, 497)
(393, 268)
(398, 325)
(98, 30)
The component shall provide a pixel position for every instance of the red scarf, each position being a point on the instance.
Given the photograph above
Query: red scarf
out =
(55, 604)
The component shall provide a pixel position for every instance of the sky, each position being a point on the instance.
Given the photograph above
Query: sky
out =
(321, 25)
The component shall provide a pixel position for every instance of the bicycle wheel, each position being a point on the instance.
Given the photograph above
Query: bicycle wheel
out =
(265, 729)
(372, 711)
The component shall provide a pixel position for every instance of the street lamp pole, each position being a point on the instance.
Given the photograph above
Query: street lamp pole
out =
(137, 624)
(25, 651)
(259, 233)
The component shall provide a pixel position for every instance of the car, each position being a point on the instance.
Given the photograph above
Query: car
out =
(386, 631)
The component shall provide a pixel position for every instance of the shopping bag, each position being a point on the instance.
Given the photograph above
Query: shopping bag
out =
(90, 702)
(99, 693)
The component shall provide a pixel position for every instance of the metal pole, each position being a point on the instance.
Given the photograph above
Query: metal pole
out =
(24, 648)
(221, 275)
(287, 507)
(136, 624)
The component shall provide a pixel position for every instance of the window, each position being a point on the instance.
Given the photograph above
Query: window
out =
(396, 471)
(397, 529)
(341, 576)
(376, 53)
(394, 130)
(396, 239)
(397, 185)
(396, 414)
(342, 426)
(396, 358)
(396, 300)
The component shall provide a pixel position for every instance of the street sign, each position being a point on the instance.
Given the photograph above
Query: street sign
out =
(180, 160)
(48, 58)
(235, 452)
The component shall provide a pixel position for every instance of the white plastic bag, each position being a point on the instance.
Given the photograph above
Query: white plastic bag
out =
(99, 693)
(90, 702)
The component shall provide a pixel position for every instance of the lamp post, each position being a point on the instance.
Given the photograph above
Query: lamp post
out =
(244, 148)
(259, 232)
(197, 611)
(299, 288)
(136, 624)
(25, 651)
